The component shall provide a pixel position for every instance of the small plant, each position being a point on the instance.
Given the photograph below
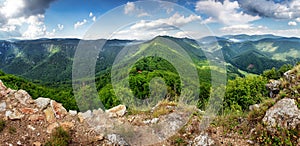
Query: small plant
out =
(60, 137)
(2, 125)
(12, 130)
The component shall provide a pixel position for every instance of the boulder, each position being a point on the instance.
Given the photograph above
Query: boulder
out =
(49, 114)
(15, 115)
(115, 139)
(28, 110)
(284, 113)
(42, 103)
(22, 96)
(203, 140)
(58, 109)
(117, 111)
(2, 106)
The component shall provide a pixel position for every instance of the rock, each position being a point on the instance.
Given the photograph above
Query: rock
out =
(98, 137)
(203, 140)
(36, 118)
(8, 113)
(58, 109)
(22, 96)
(284, 113)
(67, 125)
(28, 110)
(274, 87)
(37, 143)
(98, 112)
(2, 86)
(254, 107)
(31, 127)
(72, 112)
(49, 115)
(87, 114)
(115, 139)
(250, 142)
(117, 111)
(19, 143)
(15, 115)
(152, 121)
(2, 106)
(42, 103)
(51, 127)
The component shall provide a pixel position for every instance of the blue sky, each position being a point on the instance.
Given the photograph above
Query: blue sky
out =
(31, 19)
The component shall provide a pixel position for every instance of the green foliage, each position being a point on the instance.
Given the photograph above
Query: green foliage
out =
(243, 92)
(276, 74)
(60, 137)
(12, 130)
(2, 125)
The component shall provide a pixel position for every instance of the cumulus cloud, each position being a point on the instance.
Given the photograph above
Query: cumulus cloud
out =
(94, 18)
(130, 8)
(164, 26)
(176, 20)
(292, 23)
(91, 14)
(284, 10)
(80, 23)
(60, 26)
(228, 12)
(15, 14)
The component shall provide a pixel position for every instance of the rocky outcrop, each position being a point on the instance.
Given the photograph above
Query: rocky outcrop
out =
(274, 87)
(203, 140)
(284, 113)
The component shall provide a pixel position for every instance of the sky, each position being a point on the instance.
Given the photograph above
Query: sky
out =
(141, 20)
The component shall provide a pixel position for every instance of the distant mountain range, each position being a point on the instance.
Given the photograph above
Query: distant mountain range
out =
(51, 59)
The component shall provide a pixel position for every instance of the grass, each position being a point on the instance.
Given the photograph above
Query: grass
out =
(60, 137)
(2, 125)
(12, 130)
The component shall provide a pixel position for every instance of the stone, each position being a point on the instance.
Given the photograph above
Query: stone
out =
(254, 107)
(51, 127)
(284, 113)
(42, 103)
(72, 112)
(117, 111)
(58, 109)
(36, 118)
(203, 140)
(37, 143)
(22, 96)
(2, 106)
(2, 86)
(15, 115)
(67, 125)
(115, 139)
(28, 110)
(87, 114)
(49, 114)
(31, 127)
(98, 137)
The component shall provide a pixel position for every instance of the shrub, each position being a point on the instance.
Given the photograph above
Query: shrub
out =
(60, 137)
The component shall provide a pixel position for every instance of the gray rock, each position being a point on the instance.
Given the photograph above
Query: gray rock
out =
(14, 115)
(22, 96)
(87, 114)
(203, 140)
(117, 111)
(2, 106)
(254, 107)
(72, 112)
(115, 139)
(42, 103)
(284, 113)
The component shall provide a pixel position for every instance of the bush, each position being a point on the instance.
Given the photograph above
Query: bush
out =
(59, 138)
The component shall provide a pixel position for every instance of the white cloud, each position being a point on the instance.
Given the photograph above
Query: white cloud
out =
(91, 14)
(80, 23)
(94, 18)
(227, 12)
(130, 8)
(244, 28)
(176, 20)
(36, 27)
(148, 29)
(12, 8)
(292, 23)
(60, 26)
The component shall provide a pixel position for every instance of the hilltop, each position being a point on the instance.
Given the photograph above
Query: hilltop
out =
(273, 120)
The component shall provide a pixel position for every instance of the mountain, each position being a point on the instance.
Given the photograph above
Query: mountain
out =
(49, 61)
